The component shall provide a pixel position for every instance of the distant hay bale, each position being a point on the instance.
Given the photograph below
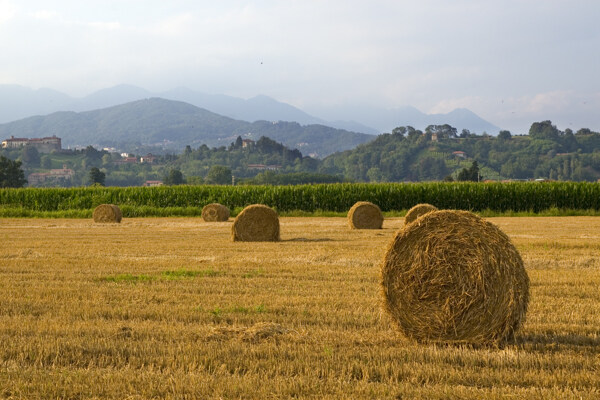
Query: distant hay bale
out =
(118, 213)
(107, 213)
(451, 277)
(215, 212)
(365, 215)
(417, 211)
(256, 223)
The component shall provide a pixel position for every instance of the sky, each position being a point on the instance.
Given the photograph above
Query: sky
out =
(510, 62)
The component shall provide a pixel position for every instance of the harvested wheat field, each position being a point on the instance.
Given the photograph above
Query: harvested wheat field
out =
(171, 308)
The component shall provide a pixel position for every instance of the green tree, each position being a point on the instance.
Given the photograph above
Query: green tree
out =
(469, 174)
(443, 131)
(219, 175)
(413, 134)
(46, 162)
(175, 177)
(30, 156)
(11, 174)
(583, 131)
(374, 174)
(96, 176)
(106, 159)
(399, 131)
(91, 153)
(238, 143)
(544, 130)
(504, 135)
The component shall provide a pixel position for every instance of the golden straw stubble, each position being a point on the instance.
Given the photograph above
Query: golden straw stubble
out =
(215, 212)
(365, 215)
(418, 210)
(256, 223)
(107, 213)
(453, 277)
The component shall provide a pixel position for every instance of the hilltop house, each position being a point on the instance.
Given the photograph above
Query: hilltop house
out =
(264, 167)
(148, 159)
(126, 160)
(247, 142)
(56, 177)
(43, 145)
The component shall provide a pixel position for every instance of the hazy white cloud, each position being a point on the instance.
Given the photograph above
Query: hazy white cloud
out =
(7, 11)
(176, 25)
(46, 15)
(109, 26)
(52, 16)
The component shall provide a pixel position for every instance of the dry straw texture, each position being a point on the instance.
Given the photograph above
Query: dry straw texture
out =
(256, 223)
(107, 213)
(160, 309)
(417, 211)
(257, 332)
(365, 215)
(215, 212)
(452, 277)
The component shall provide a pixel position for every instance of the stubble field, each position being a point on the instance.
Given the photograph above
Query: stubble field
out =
(172, 308)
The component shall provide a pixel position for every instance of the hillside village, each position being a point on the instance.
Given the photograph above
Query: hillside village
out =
(47, 164)
(405, 155)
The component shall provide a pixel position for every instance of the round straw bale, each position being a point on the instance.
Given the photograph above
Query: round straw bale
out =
(417, 211)
(215, 212)
(365, 215)
(452, 277)
(256, 223)
(107, 213)
(118, 213)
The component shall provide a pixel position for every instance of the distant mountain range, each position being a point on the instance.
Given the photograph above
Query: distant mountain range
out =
(385, 120)
(171, 125)
(17, 102)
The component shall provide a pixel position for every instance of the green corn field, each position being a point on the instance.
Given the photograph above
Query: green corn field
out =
(499, 197)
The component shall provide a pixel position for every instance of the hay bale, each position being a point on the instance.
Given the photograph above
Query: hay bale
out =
(215, 212)
(365, 215)
(417, 211)
(107, 213)
(256, 223)
(451, 277)
(118, 213)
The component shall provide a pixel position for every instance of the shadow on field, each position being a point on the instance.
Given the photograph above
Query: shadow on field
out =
(308, 240)
(550, 341)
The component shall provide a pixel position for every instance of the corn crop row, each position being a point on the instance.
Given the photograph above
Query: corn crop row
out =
(515, 196)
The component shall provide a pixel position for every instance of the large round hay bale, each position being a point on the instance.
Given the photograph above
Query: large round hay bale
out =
(256, 223)
(215, 212)
(452, 277)
(417, 211)
(107, 213)
(365, 215)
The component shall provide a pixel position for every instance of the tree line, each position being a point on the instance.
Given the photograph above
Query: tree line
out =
(437, 153)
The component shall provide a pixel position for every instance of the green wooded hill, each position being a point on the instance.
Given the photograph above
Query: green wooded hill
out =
(153, 124)
(264, 161)
(408, 154)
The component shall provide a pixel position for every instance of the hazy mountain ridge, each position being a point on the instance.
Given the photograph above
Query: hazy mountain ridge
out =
(17, 102)
(385, 120)
(175, 124)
